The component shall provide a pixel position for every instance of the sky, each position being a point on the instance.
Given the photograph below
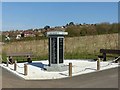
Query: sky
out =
(60, 0)
(27, 15)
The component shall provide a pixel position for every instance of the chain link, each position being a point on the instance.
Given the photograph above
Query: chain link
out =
(16, 64)
(110, 63)
(20, 66)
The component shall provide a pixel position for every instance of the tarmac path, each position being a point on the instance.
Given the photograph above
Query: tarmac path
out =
(102, 79)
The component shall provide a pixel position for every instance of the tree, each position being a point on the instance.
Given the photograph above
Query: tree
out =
(83, 31)
(66, 25)
(72, 30)
(22, 34)
(71, 24)
(46, 27)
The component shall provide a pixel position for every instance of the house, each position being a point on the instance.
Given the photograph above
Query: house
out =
(18, 36)
(7, 38)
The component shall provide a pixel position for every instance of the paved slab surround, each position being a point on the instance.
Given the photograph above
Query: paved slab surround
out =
(36, 71)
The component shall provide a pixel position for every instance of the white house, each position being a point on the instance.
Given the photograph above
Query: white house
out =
(18, 36)
(7, 38)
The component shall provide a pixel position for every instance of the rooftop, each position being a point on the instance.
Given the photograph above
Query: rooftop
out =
(50, 33)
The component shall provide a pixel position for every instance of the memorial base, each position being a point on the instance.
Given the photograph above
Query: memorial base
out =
(55, 67)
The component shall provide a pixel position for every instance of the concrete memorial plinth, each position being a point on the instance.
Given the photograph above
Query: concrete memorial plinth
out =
(56, 51)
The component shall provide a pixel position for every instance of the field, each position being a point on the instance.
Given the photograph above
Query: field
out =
(74, 47)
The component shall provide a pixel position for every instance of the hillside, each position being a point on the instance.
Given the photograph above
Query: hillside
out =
(74, 47)
(72, 28)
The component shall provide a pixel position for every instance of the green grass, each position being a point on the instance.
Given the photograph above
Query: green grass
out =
(24, 59)
(67, 56)
(4, 57)
(80, 56)
(45, 57)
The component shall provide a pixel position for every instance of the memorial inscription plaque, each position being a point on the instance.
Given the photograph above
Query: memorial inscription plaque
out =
(49, 50)
(60, 50)
(54, 50)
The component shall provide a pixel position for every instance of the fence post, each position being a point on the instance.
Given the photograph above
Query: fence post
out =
(25, 69)
(15, 66)
(70, 69)
(98, 64)
(7, 63)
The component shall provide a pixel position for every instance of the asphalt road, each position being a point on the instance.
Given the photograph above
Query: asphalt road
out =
(102, 79)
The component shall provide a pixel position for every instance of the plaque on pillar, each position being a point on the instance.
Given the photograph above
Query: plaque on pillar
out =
(49, 44)
(54, 50)
(60, 50)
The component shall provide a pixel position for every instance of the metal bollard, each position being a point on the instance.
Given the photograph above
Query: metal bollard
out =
(25, 69)
(98, 64)
(15, 66)
(70, 69)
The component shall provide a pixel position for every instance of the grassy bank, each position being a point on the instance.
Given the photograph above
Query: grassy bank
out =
(85, 47)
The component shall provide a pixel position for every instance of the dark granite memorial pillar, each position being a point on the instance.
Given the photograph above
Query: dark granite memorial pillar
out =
(56, 50)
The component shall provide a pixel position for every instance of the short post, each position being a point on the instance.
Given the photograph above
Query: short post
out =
(70, 69)
(15, 66)
(98, 64)
(7, 63)
(25, 69)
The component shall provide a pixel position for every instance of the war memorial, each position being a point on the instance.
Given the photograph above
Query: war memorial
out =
(56, 51)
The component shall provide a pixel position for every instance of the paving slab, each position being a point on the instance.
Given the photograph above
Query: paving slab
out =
(36, 71)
